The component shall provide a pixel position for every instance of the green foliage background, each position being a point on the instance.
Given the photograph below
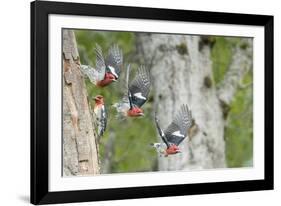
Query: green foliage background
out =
(132, 139)
(239, 127)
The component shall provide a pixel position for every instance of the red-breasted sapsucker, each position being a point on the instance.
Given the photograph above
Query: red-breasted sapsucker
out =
(175, 133)
(107, 70)
(100, 114)
(136, 94)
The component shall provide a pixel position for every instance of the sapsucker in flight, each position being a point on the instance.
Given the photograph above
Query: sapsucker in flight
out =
(175, 133)
(107, 69)
(136, 94)
(100, 114)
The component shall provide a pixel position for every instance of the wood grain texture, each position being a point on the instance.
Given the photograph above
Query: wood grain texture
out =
(80, 152)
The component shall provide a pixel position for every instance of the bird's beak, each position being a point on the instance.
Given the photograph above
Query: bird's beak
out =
(141, 114)
(178, 151)
(114, 80)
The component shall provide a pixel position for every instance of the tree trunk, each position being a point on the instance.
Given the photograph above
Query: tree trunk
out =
(181, 70)
(80, 152)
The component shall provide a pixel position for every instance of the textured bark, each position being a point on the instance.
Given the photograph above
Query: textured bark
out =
(182, 74)
(80, 153)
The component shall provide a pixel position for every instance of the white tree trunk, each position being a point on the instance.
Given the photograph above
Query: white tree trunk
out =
(181, 70)
(241, 64)
(80, 153)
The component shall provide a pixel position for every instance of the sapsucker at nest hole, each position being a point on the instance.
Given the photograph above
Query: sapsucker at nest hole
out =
(175, 133)
(107, 69)
(100, 114)
(136, 94)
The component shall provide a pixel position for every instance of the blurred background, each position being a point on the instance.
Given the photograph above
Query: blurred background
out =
(125, 146)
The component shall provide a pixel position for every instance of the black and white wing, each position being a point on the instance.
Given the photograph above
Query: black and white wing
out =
(114, 61)
(95, 74)
(100, 63)
(161, 133)
(140, 86)
(103, 122)
(89, 72)
(177, 130)
(102, 116)
(126, 103)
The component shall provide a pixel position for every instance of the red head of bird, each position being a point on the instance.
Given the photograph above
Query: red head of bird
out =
(108, 79)
(173, 149)
(135, 112)
(99, 100)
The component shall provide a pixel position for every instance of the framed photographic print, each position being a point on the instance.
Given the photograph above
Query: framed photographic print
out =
(131, 102)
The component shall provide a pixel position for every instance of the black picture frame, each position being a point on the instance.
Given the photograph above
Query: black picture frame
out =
(40, 98)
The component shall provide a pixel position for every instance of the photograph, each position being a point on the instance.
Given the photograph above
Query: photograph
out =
(136, 102)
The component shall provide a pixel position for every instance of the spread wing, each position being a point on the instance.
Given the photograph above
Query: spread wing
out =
(177, 130)
(114, 61)
(140, 87)
(161, 133)
(128, 96)
(90, 72)
(95, 74)
(126, 99)
(100, 63)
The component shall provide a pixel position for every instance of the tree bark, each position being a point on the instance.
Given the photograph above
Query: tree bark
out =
(80, 151)
(181, 70)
